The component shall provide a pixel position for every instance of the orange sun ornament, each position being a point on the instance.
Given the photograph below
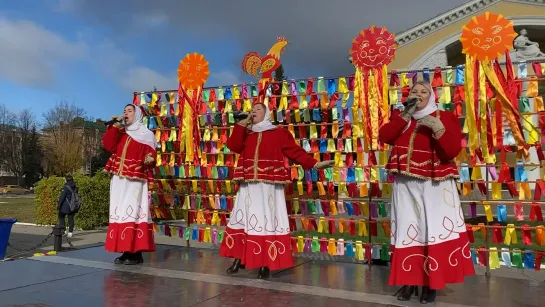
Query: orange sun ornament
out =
(373, 48)
(193, 71)
(487, 36)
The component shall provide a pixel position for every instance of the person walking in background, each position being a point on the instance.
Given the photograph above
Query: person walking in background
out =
(68, 204)
(133, 148)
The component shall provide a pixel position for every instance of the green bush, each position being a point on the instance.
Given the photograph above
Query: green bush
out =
(93, 191)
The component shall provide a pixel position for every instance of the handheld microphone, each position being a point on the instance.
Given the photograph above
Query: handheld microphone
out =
(410, 102)
(113, 121)
(240, 115)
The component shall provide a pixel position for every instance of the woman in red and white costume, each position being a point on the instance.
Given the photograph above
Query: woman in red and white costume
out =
(133, 149)
(428, 232)
(258, 232)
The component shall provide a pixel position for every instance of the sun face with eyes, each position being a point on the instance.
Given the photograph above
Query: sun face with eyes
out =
(487, 36)
(373, 48)
(193, 71)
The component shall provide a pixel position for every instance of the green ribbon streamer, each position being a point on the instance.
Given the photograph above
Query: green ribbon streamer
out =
(182, 172)
(217, 119)
(187, 234)
(315, 245)
(231, 118)
(199, 201)
(449, 76)
(448, 106)
(162, 171)
(145, 121)
(206, 95)
(306, 115)
(381, 209)
(220, 236)
(384, 253)
(169, 146)
(334, 114)
(359, 174)
(311, 206)
(300, 173)
(215, 172)
(253, 90)
(220, 96)
(516, 259)
(348, 145)
(321, 85)
(226, 150)
(524, 105)
(328, 172)
(201, 121)
(302, 87)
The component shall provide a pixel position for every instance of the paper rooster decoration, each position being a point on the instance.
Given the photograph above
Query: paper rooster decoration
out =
(192, 75)
(484, 38)
(372, 50)
(254, 64)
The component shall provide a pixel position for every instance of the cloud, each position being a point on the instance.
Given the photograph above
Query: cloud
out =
(320, 31)
(30, 54)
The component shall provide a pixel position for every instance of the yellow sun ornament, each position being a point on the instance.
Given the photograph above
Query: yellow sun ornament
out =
(487, 36)
(193, 71)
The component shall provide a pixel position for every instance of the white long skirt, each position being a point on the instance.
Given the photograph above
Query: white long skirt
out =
(428, 234)
(258, 231)
(130, 226)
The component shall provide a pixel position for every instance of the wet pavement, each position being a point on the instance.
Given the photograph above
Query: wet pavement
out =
(179, 276)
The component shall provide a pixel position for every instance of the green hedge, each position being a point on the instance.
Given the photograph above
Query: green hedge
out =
(93, 191)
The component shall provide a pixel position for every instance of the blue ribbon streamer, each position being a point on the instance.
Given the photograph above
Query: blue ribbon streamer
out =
(314, 174)
(323, 145)
(460, 80)
(382, 174)
(331, 87)
(350, 174)
(349, 208)
(506, 257)
(198, 172)
(316, 115)
(319, 209)
(426, 75)
(176, 171)
(195, 233)
(502, 213)
(520, 172)
(464, 173)
(228, 94)
(223, 202)
(349, 249)
(529, 260)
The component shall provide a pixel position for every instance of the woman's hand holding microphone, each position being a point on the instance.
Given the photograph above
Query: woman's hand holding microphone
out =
(245, 121)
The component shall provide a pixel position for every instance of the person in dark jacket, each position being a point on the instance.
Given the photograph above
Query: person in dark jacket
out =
(64, 205)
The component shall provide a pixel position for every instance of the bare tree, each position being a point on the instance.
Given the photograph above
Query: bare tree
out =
(62, 140)
(15, 133)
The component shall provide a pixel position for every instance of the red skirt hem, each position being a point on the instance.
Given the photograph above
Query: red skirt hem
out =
(432, 265)
(272, 251)
(129, 237)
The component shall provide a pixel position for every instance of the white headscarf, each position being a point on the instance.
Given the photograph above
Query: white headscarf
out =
(138, 131)
(264, 125)
(429, 108)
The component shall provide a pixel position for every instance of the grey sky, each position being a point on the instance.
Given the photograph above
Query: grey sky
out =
(320, 31)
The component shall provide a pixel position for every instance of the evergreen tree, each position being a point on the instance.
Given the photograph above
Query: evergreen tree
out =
(278, 78)
(99, 161)
(32, 152)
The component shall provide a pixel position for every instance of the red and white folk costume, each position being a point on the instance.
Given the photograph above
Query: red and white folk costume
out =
(130, 226)
(428, 233)
(258, 231)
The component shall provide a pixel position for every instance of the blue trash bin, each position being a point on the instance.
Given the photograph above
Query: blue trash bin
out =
(5, 230)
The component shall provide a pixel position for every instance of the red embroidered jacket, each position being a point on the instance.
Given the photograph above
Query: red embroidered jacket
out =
(127, 159)
(264, 155)
(417, 153)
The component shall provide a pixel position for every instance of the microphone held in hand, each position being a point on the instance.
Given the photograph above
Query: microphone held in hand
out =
(113, 121)
(410, 102)
(240, 115)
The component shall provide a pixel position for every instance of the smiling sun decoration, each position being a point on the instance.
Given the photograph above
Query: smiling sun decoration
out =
(373, 48)
(193, 71)
(487, 36)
